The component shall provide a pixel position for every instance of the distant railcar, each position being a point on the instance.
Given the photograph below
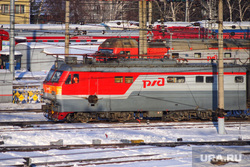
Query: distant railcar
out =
(206, 51)
(200, 30)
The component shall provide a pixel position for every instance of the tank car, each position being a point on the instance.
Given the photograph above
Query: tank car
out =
(124, 88)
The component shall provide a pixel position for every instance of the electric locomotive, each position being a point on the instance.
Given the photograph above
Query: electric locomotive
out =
(124, 88)
(130, 46)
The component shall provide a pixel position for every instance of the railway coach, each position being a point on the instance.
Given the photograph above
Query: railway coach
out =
(122, 89)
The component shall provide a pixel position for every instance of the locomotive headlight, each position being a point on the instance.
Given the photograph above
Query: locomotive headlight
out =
(58, 90)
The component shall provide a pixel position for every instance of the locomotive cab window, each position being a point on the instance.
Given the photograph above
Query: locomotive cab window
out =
(197, 55)
(56, 76)
(51, 72)
(125, 52)
(68, 81)
(176, 79)
(75, 78)
(175, 55)
(118, 79)
(239, 79)
(128, 79)
(199, 79)
(209, 79)
(227, 55)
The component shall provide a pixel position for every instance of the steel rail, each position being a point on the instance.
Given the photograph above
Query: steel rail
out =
(121, 145)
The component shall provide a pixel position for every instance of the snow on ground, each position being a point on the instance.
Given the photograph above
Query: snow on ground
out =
(112, 133)
(11, 106)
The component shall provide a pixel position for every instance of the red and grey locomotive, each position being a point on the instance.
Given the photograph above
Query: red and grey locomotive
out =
(122, 89)
(130, 46)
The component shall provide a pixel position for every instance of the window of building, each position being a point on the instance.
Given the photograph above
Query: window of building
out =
(197, 55)
(199, 79)
(176, 79)
(128, 79)
(239, 79)
(5, 8)
(19, 9)
(118, 79)
(209, 79)
(227, 55)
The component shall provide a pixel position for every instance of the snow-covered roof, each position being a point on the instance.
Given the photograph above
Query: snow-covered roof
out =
(88, 49)
(7, 52)
(56, 26)
(34, 45)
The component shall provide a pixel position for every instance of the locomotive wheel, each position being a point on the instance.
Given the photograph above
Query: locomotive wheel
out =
(175, 117)
(71, 118)
(83, 117)
(125, 116)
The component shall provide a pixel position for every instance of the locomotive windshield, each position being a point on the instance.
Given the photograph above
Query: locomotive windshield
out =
(51, 72)
(106, 50)
(56, 76)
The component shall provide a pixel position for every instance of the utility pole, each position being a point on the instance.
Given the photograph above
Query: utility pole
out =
(67, 30)
(12, 38)
(145, 42)
(142, 27)
(187, 12)
(221, 127)
(150, 11)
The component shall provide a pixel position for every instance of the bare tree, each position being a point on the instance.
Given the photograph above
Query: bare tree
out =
(230, 8)
(96, 11)
(177, 9)
(243, 8)
(56, 10)
(210, 7)
(37, 11)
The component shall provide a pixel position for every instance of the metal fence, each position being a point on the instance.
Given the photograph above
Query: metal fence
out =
(27, 95)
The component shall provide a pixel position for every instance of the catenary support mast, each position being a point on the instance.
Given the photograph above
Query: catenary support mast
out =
(143, 27)
(220, 70)
(67, 29)
(12, 38)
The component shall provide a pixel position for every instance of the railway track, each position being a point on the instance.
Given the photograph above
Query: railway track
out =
(122, 145)
(38, 126)
(104, 161)
(25, 123)
(93, 161)
(86, 154)
(107, 149)
(21, 110)
(95, 150)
